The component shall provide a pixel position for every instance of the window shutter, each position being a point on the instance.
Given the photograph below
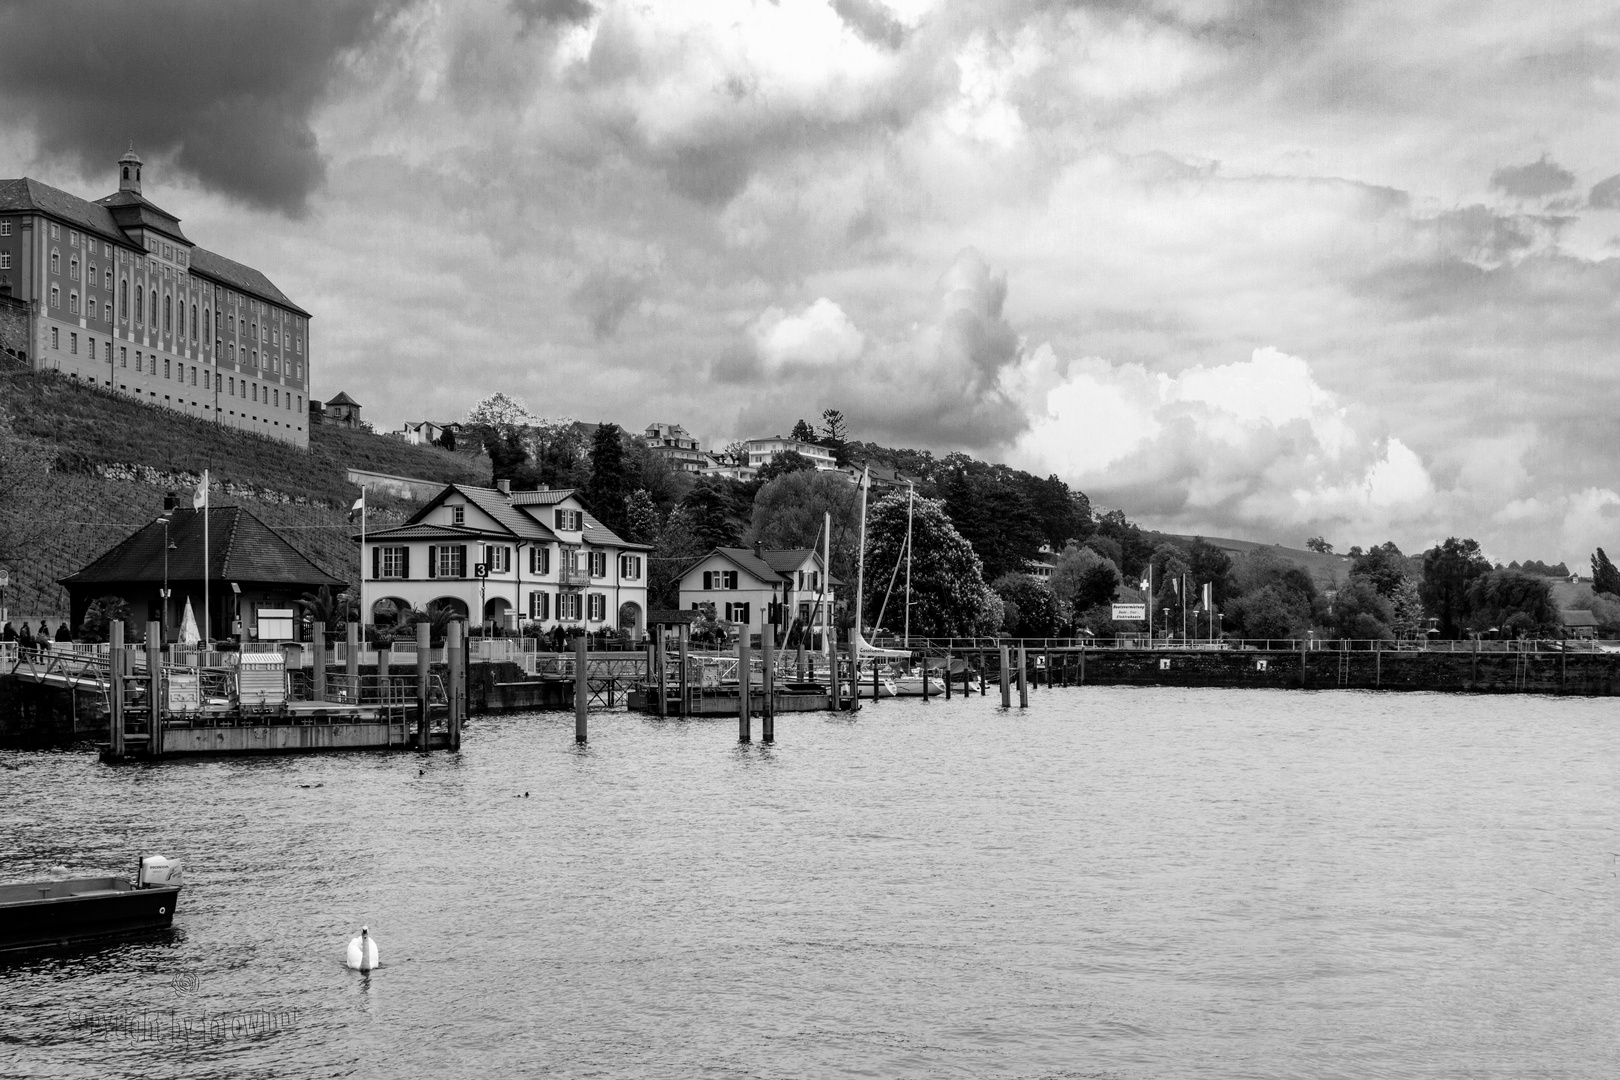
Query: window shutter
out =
(557, 517)
(506, 561)
(461, 550)
(405, 562)
(433, 561)
(708, 580)
(534, 555)
(376, 563)
(545, 605)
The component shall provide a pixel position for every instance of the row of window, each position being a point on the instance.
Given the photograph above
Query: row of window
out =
(570, 607)
(715, 580)
(229, 385)
(450, 561)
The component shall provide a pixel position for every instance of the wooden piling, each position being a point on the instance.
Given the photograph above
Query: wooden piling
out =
(115, 687)
(317, 666)
(767, 712)
(984, 673)
(801, 654)
(1006, 673)
(947, 673)
(456, 691)
(582, 690)
(925, 674)
(1049, 667)
(1023, 678)
(660, 676)
(683, 640)
(745, 725)
(154, 693)
(351, 660)
(424, 669)
(385, 695)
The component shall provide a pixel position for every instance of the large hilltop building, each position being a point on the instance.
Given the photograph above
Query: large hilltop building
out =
(118, 296)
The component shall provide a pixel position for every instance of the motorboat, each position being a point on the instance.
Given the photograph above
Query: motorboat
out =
(46, 914)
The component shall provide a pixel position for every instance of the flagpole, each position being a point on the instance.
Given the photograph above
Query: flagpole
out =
(208, 568)
(363, 608)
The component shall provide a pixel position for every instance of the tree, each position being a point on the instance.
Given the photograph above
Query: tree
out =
(712, 511)
(1605, 578)
(507, 456)
(1512, 603)
(1273, 596)
(641, 517)
(1316, 543)
(1383, 565)
(788, 512)
(1406, 604)
(500, 411)
(1031, 609)
(784, 462)
(1084, 579)
(1208, 564)
(610, 481)
(803, 432)
(1448, 570)
(447, 439)
(948, 595)
(1360, 612)
(833, 432)
(676, 546)
(322, 606)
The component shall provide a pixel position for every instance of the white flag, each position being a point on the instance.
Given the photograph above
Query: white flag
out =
(359, 504)
(199, 498)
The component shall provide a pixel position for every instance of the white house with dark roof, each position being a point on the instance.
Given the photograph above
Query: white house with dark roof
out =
(488, 552)
(744, 583)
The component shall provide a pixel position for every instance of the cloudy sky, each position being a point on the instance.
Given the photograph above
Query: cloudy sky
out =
(1254, 268)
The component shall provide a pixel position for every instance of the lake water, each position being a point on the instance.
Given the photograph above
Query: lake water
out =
(1113, 883)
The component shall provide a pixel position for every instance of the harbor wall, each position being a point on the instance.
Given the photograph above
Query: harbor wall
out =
(37, 717)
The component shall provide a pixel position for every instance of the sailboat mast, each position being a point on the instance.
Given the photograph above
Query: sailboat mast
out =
(911, 493)
(860, 589)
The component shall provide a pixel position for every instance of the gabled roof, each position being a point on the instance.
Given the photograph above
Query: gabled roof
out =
(597, 533)
(26, 194)
(549, 497)
(240, 548)
(427, 532)
(512, 521)
(1576, 617)
(772, 565)
(787, 560)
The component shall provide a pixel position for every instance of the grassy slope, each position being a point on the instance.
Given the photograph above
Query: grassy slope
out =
(1328, 571)
(303, 495)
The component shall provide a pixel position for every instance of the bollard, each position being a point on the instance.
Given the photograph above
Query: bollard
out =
(424, 668)
(317, 665)
(351, 663)
(455, 658)
(154, 693)
(1006, 673)
(767, 713)
(582, 690)
(745, 726)
(1023, 678)
(115, 686)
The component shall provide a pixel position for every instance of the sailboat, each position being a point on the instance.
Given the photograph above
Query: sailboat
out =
(878, 682)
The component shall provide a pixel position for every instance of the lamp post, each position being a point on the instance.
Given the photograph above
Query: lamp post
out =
(167, 547)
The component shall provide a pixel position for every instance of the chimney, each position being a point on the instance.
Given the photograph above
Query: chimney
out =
(505, 486)
(759, 549)
(170, 502)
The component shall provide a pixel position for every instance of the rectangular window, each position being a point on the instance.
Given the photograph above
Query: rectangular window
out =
(737, 613)
(5, 260)
(206, 381)
(630, 567)
(255, 391)
(598, 606)
(458, 515)
(277, 400)
(56, 338)
(73, 344)
(568, 606)
(394, 562)
(193, 374)
(90, 347)
(166, 368)
(598, 563)
(540, 561)
(452, 561)
(56, 296)
(5, 228)
(123, 356)
(539, 606)
(570, 520)
(500, 560)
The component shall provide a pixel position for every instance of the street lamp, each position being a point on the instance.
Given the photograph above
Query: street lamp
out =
(167, 547)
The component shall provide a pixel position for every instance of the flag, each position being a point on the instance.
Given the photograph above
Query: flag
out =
(1209, 596)
(1177, 583)
(1143, 584)
(199, 498)
(359, 505)
(866, 477)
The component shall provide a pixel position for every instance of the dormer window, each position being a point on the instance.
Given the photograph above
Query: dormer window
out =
(570, 520)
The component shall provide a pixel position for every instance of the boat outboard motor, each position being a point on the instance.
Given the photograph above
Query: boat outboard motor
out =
(156, 870)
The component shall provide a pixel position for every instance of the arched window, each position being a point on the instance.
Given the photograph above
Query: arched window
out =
(168, 313)
(140, 304)
(208, 323)
(193, 322)
(56, 262)
(123, 298)
(73, 269)
(126, 172)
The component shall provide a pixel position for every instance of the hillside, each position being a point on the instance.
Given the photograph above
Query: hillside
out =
(115, 458)
(1328, 571)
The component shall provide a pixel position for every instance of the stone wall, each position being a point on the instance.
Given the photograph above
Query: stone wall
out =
(14, 327)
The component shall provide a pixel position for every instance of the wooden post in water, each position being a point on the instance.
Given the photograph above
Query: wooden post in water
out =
(661, 678)
(1049, 666)
(1023, 678)
(801, 654)
(115, 687)
(317, 663)
(1082, 663)
(351, 662)
(767, 712)
(456, 673)
(683, 639)
(154, 693)
(424, 669)
(984, 673)
(925, 674)
(1302, 644)
(384, 688)
(745, 725)
(651, 649)
(947, 673)
(1006, 673)
(1378, 664)
(582, 690)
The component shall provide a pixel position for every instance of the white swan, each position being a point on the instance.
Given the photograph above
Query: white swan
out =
(363, 951)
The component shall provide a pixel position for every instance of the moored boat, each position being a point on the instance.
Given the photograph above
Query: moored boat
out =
(45, 914)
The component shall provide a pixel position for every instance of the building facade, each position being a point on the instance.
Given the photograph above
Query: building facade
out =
(120, 297)
(743, 584)
(676, 445)
(490, 552)
(761, 451)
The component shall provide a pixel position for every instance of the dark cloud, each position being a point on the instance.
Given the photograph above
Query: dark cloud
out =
(552, 12)
(1606, 194)
(1533, 181)
(605, 298)
(223, 91)
(872, 21)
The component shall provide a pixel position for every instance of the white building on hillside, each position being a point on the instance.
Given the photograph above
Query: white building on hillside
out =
(743, 583)
(488, 551)
(761, 451)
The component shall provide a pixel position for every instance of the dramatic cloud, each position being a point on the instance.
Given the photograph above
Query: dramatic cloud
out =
(820, 335)
(224, 91)
(1606, 194)
(1536, 180)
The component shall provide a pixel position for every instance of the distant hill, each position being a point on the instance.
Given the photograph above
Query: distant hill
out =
(115, 458)
(1328, 571)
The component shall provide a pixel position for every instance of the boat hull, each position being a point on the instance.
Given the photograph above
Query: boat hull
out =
(49, 914)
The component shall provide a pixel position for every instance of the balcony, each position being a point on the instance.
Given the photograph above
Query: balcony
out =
(572, 575)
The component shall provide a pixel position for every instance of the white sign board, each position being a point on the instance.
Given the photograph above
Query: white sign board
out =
(276, 624)
(1130, 612)
(185, 693)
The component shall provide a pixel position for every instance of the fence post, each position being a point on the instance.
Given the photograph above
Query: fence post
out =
(115, 687)
(456, 673)
(351, 660)
(582, 690)
(661, 655)
(154, 694)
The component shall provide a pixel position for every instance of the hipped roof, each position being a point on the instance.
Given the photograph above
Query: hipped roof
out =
(241, 548)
